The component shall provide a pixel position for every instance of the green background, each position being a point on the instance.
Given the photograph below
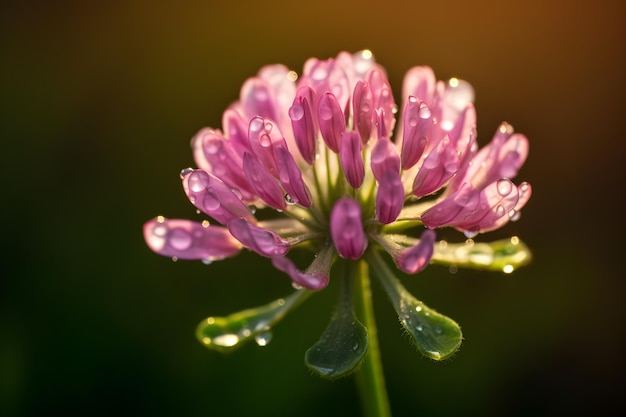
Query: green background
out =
(98, 103)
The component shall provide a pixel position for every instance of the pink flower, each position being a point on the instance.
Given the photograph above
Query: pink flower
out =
(326, 154)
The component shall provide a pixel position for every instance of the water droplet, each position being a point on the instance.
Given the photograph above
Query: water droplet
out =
(210, 203)
(514, 215)
(434, 354)
(514, 240)
(159, 230)
(263, 339)
(245, 332)
(198, 181)
(174, 259)
(412, 122)
(256, 124)
(265, 140)
(207, 261)
(438, 330)
(418, 308)
(471, 233)
(296, 112)
(268, 127)
(500, 211)
(296, 286)
(453, 269)
(419, 328)
(504, 187)
(288, 199)
(180, 239)
(507, 269)
(226, 340)
(184, 172)
(424, 111)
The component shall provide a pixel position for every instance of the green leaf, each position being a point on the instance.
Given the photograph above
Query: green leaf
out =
(344, 343)
(224, 334)
(501, 255)
(435, 335)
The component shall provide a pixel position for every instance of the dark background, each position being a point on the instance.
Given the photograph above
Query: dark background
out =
(98, 103)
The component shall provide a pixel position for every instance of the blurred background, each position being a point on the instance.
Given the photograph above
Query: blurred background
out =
(98, 103)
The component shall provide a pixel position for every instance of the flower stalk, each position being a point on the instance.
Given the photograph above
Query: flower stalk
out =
(370, 377)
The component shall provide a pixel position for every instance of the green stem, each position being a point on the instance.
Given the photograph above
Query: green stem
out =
(370, 378)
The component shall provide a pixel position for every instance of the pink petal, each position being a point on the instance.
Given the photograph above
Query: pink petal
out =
(310, 280)
(331, 120)
(257, 99)
(419, 82)
(389, 198)
(236, 130)
(417, 121)
(214, 198)
(351, 159)
(264, 135)
(304, 122)
(346, 229)
(438, 167)
(453, 208)
(215, 154)
(496, 201)
(385, 158)
(185, 239)
(362, 107)
(382, 98)
(414, 259)
(290, 177)
(262, 241)
(263, 182)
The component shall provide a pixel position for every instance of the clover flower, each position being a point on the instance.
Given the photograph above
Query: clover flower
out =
(321, 162)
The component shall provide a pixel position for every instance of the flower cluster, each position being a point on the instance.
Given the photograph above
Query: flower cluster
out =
(343, 176)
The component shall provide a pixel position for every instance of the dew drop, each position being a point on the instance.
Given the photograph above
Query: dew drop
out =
(507, 269)
(453, 269)
(419, 328)
(174, 259)
(205, 223)
(207, 261)
(418, 308)
(355, 346)
(210, 203)
(226, 340)
(184, 172)
(424, 112)
(198, 181)
(514, 215)
(412, 122)
(265, 141)
(296, 286)
(471, 233)
(289, 200)
(296, 112)
(159, 230)
(179, 239)
(438, 330)
(504, 187)
(263, 339)
(268, 127)
(500, 211)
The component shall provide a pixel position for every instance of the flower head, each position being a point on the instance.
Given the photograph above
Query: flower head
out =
(350, 173)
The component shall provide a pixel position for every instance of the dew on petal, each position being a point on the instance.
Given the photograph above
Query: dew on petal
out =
(504, 187)
(184, 172)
